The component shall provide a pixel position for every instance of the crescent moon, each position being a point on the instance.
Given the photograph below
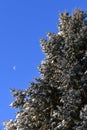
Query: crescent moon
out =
(14, 67)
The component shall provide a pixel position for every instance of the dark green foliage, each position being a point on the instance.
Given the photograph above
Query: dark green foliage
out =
(57, 100)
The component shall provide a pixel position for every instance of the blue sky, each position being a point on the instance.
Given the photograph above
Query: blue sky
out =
(22, 24)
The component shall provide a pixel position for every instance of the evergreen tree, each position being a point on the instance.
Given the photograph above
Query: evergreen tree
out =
(57, 100)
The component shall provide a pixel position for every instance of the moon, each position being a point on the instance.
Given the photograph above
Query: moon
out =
(14, 67)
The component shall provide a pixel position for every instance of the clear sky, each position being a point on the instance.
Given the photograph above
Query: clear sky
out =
(22, 24)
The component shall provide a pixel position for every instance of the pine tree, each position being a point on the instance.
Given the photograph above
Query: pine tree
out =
(57, 100)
